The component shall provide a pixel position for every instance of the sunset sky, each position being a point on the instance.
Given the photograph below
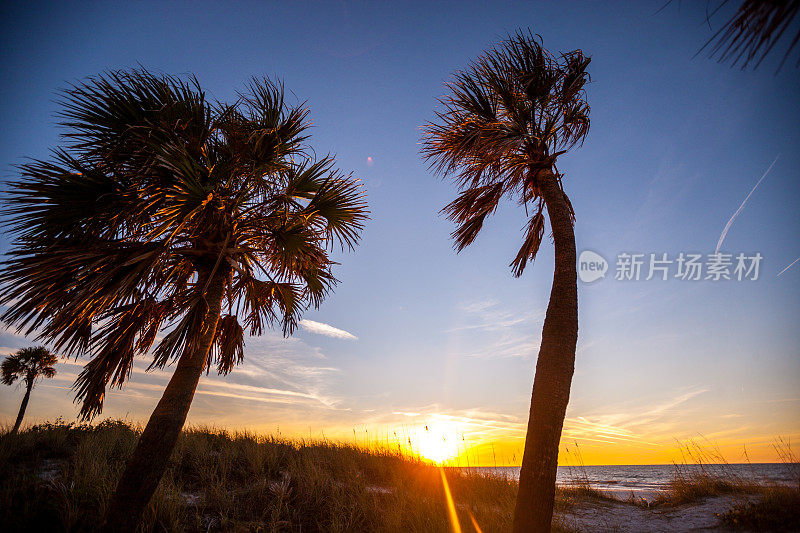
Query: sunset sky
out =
(416, 335)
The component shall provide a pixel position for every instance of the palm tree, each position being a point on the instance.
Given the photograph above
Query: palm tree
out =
(27, 364)
(173, 223)
(505, 121)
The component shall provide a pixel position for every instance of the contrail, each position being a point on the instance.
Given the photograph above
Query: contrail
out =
(728, 225)
(787, 268)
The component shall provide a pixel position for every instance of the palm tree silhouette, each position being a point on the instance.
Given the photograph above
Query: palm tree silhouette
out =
(173, 223)
(27, 365)
(505, 121)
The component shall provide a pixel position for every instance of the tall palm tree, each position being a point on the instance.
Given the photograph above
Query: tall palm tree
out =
(27, 364)
(173, 223)
(505, 121)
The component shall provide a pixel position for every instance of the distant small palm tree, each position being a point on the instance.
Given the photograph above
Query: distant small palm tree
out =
(506, 120)
(173, 221)
(27, 365)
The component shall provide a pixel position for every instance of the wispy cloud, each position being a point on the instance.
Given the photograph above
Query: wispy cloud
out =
(479, 306)
(640, 424)
(488, 315)
(320, 328)
(736, 214)
(277, 373)
(488, 330)
(6, 350)
(511, 344)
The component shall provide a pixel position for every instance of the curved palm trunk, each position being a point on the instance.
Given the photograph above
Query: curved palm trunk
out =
(23, 406)
(148, 462)
(554, 369)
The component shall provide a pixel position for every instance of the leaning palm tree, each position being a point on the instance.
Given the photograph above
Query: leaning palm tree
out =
(505, 121)
(170, 225)
(27, 365)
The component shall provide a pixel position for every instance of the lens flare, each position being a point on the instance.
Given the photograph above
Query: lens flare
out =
(451, 506)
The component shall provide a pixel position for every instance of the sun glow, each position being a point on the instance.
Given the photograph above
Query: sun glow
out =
(437, 442)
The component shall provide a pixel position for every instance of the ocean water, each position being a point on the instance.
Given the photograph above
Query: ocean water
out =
(645, 481)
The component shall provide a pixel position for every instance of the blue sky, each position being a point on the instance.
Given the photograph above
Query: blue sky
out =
(450, 340)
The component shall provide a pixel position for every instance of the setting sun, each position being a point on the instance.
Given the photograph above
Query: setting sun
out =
(437, 443)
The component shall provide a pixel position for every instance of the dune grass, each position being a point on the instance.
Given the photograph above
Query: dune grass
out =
(59, 477)
(704, 472)
(778, 509)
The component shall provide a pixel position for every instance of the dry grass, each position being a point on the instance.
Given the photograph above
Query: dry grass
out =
(778, 509)
(60, 477)
(578, 487)
(705, 472)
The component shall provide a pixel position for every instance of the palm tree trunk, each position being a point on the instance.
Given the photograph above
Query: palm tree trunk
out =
(23, 406)
(148, 462)
(554, 369)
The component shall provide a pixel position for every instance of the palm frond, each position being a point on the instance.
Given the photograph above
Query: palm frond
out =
(337, 205)
(530, 245)
(470, 209)
(121, 337)
(228, 346)
(753, 31)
